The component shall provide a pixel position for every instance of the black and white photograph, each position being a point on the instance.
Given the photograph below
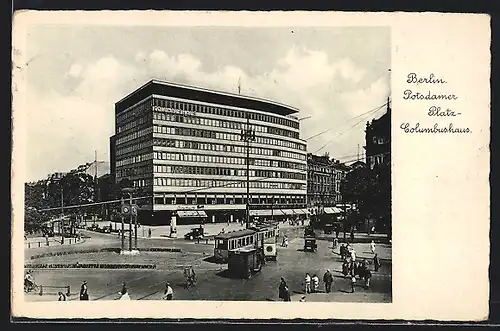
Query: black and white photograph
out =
(208, 163)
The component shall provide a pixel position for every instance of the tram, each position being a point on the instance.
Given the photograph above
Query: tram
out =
(255, 237)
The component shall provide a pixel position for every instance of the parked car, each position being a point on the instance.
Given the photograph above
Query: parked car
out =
(195, 234)
(106, 229)
(93, 227)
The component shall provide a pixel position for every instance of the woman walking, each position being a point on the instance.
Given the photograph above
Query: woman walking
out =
(283, 291)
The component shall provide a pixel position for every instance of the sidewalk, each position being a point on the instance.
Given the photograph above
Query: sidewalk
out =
(37, 242)
(344, 296)
(163, 231)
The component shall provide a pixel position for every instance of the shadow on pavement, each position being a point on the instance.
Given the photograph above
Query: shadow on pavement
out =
(226, 274)
(211, 259)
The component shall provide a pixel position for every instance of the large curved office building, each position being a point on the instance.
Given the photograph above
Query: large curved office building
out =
(183, 147)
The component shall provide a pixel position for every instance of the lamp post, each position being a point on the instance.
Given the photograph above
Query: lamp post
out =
(129, 192)
(248, 135)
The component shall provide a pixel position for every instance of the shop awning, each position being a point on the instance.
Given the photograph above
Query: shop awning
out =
(301, 211)
(266, 212)
(288, 212)
(332, 210)
(191, 213)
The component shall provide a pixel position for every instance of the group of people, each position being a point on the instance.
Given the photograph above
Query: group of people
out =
(168, 293)
(352, 268)
(312, 283)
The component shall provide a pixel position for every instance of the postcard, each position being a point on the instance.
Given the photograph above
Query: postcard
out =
(250, 165)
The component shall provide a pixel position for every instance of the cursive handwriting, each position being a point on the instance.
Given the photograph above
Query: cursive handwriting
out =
(414, 79)
(437, 111)
(435, 129)
(411, 95)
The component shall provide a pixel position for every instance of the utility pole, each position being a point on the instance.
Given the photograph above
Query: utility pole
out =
(123, 227)
(248, 135)
(135, 223)
(130, 224)
(61, 226)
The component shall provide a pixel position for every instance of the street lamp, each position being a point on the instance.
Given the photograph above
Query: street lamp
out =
(129, 191)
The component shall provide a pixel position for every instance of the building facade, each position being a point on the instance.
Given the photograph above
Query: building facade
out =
(378, 140)
(183, 147)
(324, 177)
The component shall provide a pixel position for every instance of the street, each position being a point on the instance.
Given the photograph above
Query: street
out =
(213, 284)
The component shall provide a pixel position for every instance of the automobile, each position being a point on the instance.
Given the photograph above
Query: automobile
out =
(196, 233)
(93, 227)
(106, 229)
(310, 244)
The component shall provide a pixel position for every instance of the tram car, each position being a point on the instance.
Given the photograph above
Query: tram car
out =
(255, 237)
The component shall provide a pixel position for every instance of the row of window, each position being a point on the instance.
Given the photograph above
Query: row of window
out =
(134, 159)
(202, 199)
(325, 179)
(183, 182)
(226, 148)
(134, 135)
(225, 160)
(161, 116)
(184, 106)
(134, 171)
(135, 147)
(323, 188)
(136, 111)
(213, 171)
(225, 136)
(132, 124)
(143, 182)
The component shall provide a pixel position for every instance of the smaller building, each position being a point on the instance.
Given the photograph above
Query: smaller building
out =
(324, 177)
(378, 140)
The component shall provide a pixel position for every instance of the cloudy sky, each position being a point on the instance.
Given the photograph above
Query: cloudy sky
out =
(76, 73)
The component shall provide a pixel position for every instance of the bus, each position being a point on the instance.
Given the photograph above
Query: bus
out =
(255, 237)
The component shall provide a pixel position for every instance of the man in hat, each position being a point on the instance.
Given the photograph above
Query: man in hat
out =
(84, 295)
(328, 280)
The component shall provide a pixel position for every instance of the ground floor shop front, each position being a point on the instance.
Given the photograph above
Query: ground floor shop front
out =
(198, 214)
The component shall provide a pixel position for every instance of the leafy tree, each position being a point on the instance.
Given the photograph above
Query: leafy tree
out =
(371, 191)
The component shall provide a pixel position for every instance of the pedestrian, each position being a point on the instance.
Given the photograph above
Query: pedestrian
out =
(353, 283)
(124, 294)
(345, 268)
(353, 255)
(372, 246)
(308, 283)
(315, 283)
(62, 296)
(169, 293)
(376, 262)
(335, 243)
(342, 252)
(84, 295)
(328, 280)
(283, 291)
(368, 276)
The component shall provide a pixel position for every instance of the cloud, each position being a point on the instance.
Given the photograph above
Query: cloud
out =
(75, 70)
(68, 128)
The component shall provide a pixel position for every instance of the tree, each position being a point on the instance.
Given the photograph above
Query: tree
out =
(371, 191)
